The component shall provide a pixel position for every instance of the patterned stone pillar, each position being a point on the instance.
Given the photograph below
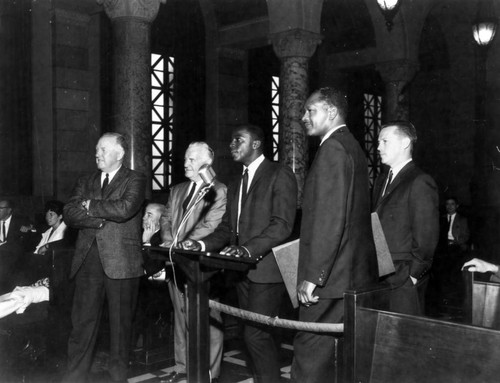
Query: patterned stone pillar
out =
(396, 75)
(294, 48)
(131, 20)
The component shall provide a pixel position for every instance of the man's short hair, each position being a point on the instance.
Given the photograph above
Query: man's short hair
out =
(161, 208)
(255, 131)
(334, 97)
(120, 140)
(55, 206)
(204, 149)
(404, 128)
(8, 202)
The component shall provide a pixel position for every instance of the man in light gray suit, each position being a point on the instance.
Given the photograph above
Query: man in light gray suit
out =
(106, 207)
(204, 218)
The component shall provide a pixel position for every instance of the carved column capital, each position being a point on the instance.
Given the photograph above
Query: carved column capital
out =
(401, 70)
(146, 10)
(295, 43)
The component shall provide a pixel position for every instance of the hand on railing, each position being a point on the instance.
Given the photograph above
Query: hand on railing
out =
(235, 251)
(189, 244)
(480, 266)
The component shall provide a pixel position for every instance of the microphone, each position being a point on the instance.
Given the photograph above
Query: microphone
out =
(207, 174)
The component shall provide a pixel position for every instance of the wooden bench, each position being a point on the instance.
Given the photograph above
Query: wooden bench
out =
(482, 300)
(381, 346)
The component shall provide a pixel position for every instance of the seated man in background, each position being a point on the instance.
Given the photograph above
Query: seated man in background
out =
(151, 235)
(16, 237)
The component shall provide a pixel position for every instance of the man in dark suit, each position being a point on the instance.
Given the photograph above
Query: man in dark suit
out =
(16, 238)
(454, 228)
(260, 215)
(446, 287)
(203, 219)
(106, 207)
(406, 201)
(336, 244)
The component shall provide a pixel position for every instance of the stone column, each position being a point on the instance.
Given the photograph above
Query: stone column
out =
(131, 103)
(396, 75)
(294, 48)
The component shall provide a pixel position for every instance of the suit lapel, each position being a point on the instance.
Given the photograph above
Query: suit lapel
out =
(257, 176)
(96, 185)
(177, 201)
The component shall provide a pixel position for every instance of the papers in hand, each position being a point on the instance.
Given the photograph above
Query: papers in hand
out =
(384, 258)
(287, 258)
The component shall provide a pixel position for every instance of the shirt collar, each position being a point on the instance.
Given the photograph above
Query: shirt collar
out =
(110, 174)
(330, 132)
(397, 169)
(252, 168)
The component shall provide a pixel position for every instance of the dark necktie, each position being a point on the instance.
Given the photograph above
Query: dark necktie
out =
(387, 183)
(449, 223)
(244, 185)
(4, 236)
(188, 198)
(50, 234)
(105, 183)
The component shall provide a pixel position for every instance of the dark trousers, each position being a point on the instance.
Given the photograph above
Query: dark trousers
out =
(314, 353)
(262, 298)
(92, 285)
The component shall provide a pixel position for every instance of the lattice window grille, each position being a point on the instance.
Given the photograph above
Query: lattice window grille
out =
(275, 103)
(162, 120)
(372, 120)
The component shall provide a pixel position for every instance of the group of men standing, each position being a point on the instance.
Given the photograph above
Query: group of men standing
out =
(254, 214)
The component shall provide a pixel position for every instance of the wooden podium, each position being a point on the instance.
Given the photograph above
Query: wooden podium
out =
(199, 267)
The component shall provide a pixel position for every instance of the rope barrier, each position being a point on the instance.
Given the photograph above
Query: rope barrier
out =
(277, 322)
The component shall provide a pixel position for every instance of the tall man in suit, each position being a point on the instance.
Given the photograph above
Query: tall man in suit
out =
(106, 207)
(336, 244)
(406, 200)
(205, 217)
(260, 215)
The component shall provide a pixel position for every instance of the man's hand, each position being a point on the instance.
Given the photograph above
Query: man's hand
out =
(480, 266)
(149, 230)
(26, 228)
(189, 244)
(235, 251)
(42, 250)
(305, 290)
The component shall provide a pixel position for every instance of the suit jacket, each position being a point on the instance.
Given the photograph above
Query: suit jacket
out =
(16, 239)
(336, 242)
(151, 265)
(459, 230)
(113, 221)
(206, 215)
(409, 216)
(266, 219)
